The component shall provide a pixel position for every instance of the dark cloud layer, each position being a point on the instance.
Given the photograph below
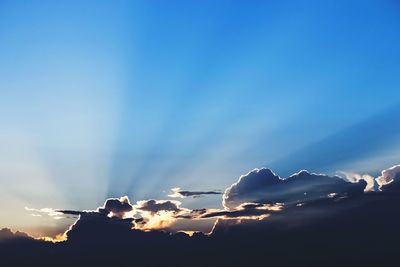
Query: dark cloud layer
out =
(362, 231)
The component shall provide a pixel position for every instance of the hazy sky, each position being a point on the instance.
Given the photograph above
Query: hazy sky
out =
(137, 97)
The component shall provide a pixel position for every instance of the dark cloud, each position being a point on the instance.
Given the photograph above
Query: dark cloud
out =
(360, 230)
(95, 225)
(104, 222)
(145, 215)
(118, 205)
(113, 207)
(155, 206)
(72, 212)
(7, 234)
(248, 211)
(178, 193)
(263, 186)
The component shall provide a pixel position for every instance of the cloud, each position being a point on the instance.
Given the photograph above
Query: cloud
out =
(144, 215)
(355, 178)
(245, 211)
(113, 213)
(97, 225)
(158, 214)
(112, 207)
(72, 212)
(117, 207)
(178, 193)
(155, 206)
(7, 234)
(388, 176)
(255, 196)
(334, 212)
(264, 186)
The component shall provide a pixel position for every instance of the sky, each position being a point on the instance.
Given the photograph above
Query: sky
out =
(134, 98)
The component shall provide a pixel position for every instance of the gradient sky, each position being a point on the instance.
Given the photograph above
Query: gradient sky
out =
(110, 98)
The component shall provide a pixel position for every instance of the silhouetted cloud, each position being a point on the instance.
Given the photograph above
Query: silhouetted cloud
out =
(155, 206)
(97, 225)
(7, 234)
(264, 186)
(144, 215)
(113, 207)
(117, 207)
(72, 212)
(248, 211)
(178, 193)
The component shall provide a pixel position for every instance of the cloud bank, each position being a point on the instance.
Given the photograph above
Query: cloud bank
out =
(314, 217)
(255, 196)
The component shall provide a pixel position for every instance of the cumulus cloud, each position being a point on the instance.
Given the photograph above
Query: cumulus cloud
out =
(158, 214)
(388, 176)
(178, 193)
(96, 225)
(144, 215)
(112, 207)
(117, 207)
(114, 212)
(155, 206)
(7, 234)
(355, 178)
(264, 186)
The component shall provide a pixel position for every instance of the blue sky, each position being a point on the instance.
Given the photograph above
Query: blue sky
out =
(107, 98)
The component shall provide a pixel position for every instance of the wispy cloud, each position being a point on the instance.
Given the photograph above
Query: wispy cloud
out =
(178, 193)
